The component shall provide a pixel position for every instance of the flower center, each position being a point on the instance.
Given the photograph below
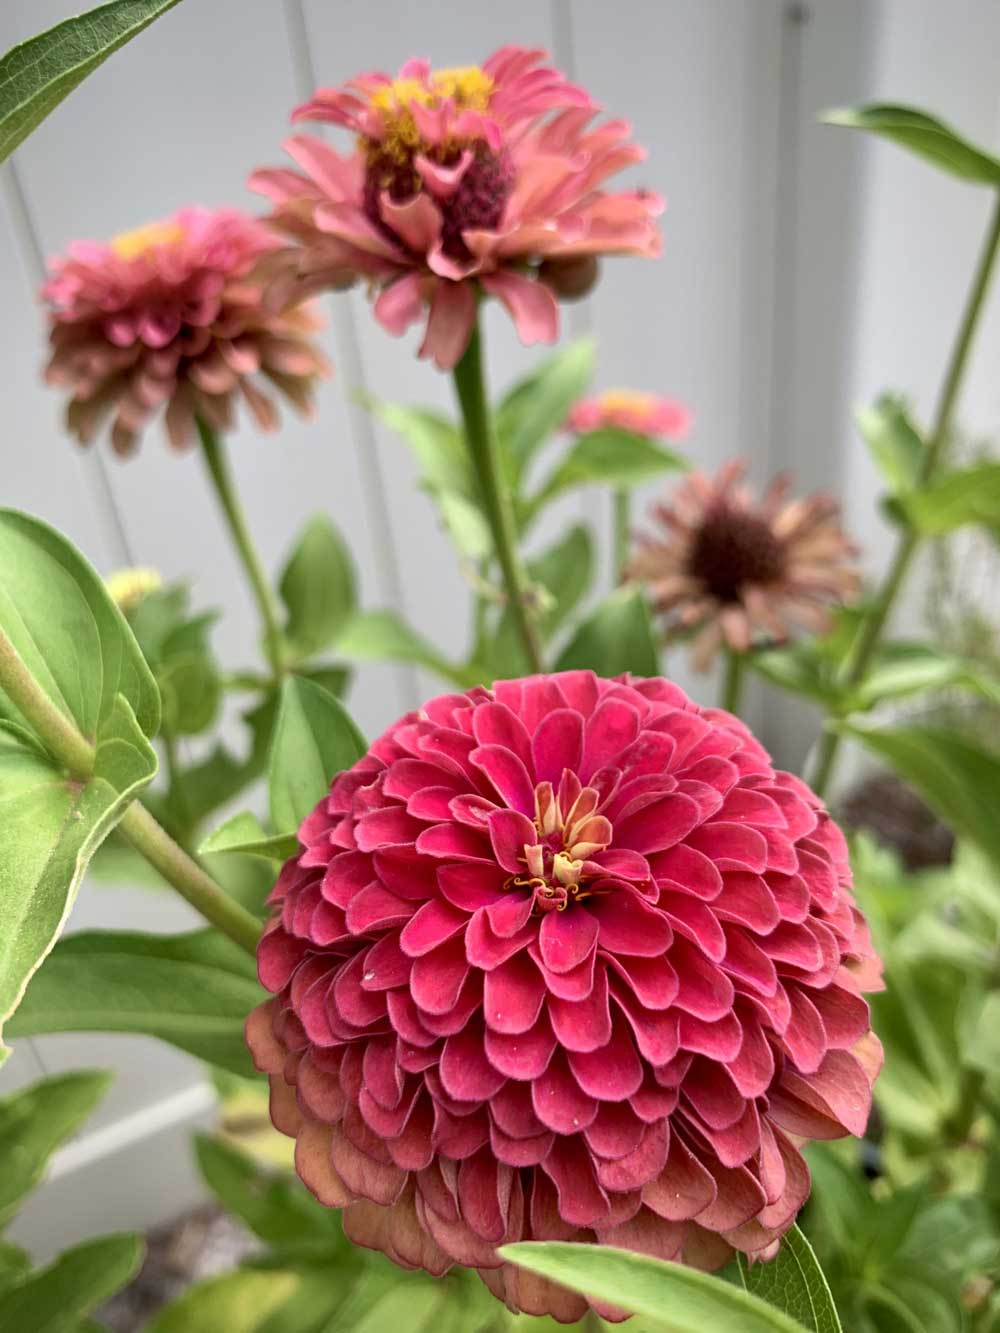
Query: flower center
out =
(131, 244)
(558, 867)
(625, 400)
(733, 550)
(467, 87)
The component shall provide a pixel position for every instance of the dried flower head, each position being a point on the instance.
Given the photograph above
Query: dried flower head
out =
(565, 959)
(629, 409)
(733, 568)
(173, 316)
(461, 179)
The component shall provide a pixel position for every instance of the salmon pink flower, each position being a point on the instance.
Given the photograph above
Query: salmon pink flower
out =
(565, 959)
(628, 409)
(173, 316)
(732, 568)
(461, 180)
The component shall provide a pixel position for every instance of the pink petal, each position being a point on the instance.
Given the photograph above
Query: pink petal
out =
(453, 313)
(400, 304)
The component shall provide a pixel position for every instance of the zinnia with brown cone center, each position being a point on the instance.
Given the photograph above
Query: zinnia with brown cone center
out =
(172, 318)
(565, 959)
(736, 570)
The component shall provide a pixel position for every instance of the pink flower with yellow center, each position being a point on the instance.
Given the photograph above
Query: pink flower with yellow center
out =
(173, 316)
(482, 178)
(565, 959)
(632, 410)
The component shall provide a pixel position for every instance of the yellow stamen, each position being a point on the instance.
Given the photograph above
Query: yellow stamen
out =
(467, 86)
(627, 400)
(131, 244)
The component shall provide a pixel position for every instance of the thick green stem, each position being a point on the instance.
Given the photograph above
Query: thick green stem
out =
(239, 530)
(731, 695)
(494, 494)
(77, 755)
(869, 636)
(622, 520)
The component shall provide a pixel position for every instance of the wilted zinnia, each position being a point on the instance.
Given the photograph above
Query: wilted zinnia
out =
(565, 959)
(732, 568)
(631, 410)
(173, 316)
(462, 179)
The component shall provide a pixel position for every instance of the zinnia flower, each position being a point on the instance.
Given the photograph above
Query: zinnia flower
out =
(733, 568)
(461, 179)
(565, 959)
(173, 315)
(628, 409)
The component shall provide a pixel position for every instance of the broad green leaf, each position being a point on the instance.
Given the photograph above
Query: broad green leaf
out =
(438, 445)
(794, 1282)
(193, 990)
(953, 500)
(274, 1205)
(15, 1264)
(893, 442)
(188, 678)
(68, 631)
(924, 135)
(244, 833)
(314, 739)
(34, 1122)
(563, 574)
(983, 1047)
(213, 781)
(38, 74)
(608, 457)
(466, 526)
(380, 636)
(239, 1302)
(957, 779)
(616, 636)
(794, 667)
(52, 1299)
(905, 668)
(318, 587)
(538, 405)
(677, 1299)
(418, 1307)
(49, 829)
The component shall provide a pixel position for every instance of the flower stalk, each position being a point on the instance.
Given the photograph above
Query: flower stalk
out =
(870, 634)
(239, 529)
(734, 676)
(621, 516)
(77, 755)
(493, 490)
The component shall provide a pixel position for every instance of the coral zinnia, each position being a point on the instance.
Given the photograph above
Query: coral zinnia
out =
(173, 315)
(461, 178)
(628, 409)
(731, 567)
(565, 959)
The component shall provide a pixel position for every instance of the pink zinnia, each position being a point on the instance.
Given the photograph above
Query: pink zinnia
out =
(173, 316)
(629, 409)
(462, 179)
(565, 959)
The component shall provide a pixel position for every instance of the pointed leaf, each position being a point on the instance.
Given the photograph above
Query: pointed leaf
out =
(539, 404)
(274, 1205)
(924, 135)
(616, 636)
(893, 441)
(611, 457)
(794, 1282)
(314, 740)
(240, 1302)
(49, 1299)
(318, 587)
(244, 833)
(953, 500)
(381, 636)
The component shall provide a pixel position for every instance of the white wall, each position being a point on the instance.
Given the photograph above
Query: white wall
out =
(802, 269)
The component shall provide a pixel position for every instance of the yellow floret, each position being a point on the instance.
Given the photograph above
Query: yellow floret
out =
(131, 244)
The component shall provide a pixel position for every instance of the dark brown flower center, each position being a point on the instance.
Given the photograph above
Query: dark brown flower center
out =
(732, 550)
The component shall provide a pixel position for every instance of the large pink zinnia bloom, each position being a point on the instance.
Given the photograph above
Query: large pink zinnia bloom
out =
(632, 410)
(173, 316)
(461, 179)
(565, 959)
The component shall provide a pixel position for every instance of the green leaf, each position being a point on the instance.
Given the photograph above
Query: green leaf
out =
(893, 442)
(53, 1299)
(237, 1302)
(675, 1298)
(188, 678)
(983, 1047)
(275, 1206)
(957, 779)
(50, 828)
(245, 833)
(795, 668)
(318, 587)
(563, 573)
(924, 135)
(68, 631)
(34, 1122)
(608, 457)
(953, 500)
(616, 636)
(466, 526)
(38, 74)
(381, 636)
(538, 405)
(214, 781)
(437, 443)
(314, 739)
(794, 1282)
(193, 990)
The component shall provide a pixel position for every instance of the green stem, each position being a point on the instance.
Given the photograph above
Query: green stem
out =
(77, 755)
(731, 695)
(494, 493)
(239, 530)
(622, 520)
(870, 634)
